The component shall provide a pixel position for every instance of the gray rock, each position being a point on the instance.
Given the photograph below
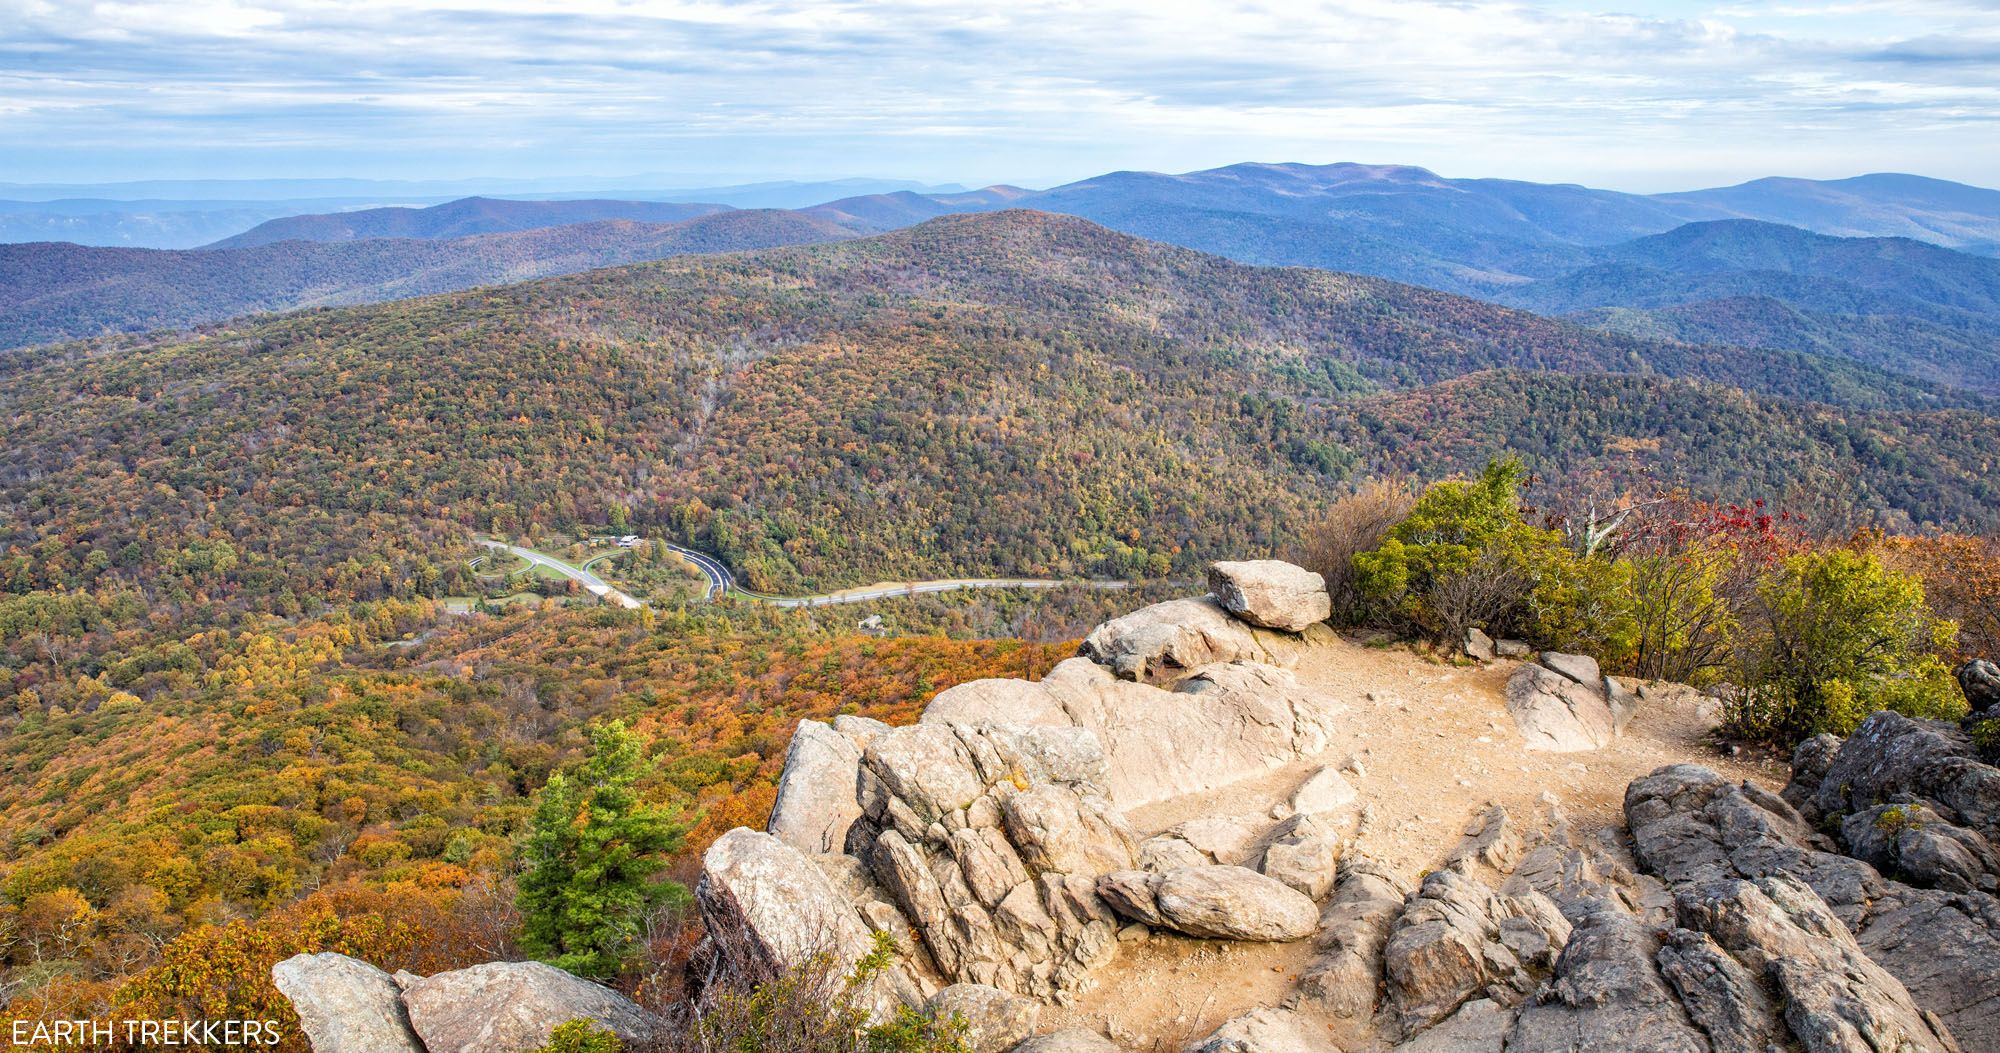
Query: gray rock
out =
(1073, 1040)
(508, 1007)
(1891, 758)
(1606, 994)
(1479, 1026)
(1458, 938)
(1491, 840)
(1164, 642)
(345, 1005)
(1266, 1031)
(1834, 996)
(1695, 829)
(1130, 893)
(1979, 679)
(1810, 761)
(1720, 996)
(1624, 704)
(1578, 668)
(994, 1020)
(859, 730)
(816, 792)
(1478, 645)
(1555, 713)
(1271, 593)
(1916, 845)
(1512, 649)
(1345, 975)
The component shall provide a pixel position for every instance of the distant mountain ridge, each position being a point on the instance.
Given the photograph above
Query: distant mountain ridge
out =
(461, 218)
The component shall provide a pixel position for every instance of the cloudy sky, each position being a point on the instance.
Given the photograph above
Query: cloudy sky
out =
(1631, 94)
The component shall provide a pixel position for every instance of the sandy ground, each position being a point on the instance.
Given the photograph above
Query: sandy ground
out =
(1435, 747)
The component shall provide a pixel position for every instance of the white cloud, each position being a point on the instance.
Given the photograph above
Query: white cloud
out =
(951, 90)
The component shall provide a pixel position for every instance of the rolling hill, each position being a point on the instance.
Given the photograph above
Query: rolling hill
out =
(54, 292)
(1011, 392)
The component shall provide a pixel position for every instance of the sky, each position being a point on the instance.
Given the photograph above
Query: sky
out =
(1626, 94)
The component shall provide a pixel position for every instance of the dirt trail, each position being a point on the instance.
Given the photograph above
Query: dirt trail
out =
(1435, 747)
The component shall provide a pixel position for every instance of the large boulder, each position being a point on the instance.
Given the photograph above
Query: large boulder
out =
(994, 1019)
(1213, 902)
(989, 839)
(996, 702)
(816, 798)
(1270, 593)
(1166, 641)
(345, 1005)
(509, 1007)
(1556, 713)
(1980, 680)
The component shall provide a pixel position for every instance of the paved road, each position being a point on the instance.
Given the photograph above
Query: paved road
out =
(721, 581)
(591, 583)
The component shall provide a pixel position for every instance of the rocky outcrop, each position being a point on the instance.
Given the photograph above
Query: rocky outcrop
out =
(1458, 939)
(345, 1005)
(1818, 928)
(1212, 902)
(507, 1007)
(991, 840)
(1606, 994)
(994, 1020)
(816, 801)
(1270, 593)
(1224, 724)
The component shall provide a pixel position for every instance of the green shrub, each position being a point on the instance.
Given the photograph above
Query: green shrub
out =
(1463, 557)
(1839, 636)
(582, 1036)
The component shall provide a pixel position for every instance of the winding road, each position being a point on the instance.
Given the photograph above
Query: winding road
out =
(722, 581)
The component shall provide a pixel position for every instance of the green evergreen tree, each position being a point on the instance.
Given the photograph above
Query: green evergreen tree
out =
(592, 856)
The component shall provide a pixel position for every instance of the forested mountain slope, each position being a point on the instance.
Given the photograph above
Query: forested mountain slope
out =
(54, 291)
(1011, 393)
